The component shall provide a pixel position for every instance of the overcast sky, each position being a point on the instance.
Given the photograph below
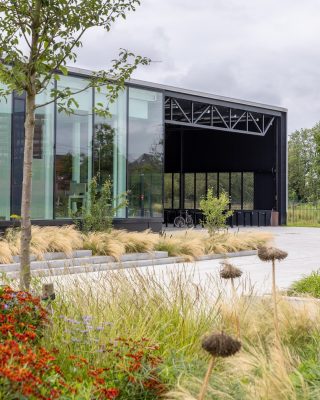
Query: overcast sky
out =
(260, 50)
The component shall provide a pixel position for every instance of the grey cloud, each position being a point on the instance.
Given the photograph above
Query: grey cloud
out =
(264, 50)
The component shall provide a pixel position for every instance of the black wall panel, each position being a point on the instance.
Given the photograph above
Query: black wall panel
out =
(215, 151)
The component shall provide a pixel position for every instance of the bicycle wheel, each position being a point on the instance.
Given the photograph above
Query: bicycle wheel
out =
(189, 221)
(179, 222)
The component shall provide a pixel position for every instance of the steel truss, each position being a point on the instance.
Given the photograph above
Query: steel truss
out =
(216, 117)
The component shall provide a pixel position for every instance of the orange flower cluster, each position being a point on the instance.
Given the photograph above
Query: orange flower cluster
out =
(25, 368)
(30, 371)
(21, 315)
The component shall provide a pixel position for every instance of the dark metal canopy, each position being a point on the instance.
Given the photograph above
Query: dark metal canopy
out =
(185, 112)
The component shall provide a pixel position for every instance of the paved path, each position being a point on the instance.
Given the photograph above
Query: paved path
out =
(302, 244)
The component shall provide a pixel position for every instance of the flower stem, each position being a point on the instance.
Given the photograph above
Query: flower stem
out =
(206, 379)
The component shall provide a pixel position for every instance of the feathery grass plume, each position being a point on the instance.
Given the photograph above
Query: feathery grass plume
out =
(231, 272)
(217, 345)
(5, 253)
(271, 254)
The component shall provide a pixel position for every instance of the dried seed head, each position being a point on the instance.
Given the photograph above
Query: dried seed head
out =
(271, 254)
(221, 345)
(48, 291)
(229, 271)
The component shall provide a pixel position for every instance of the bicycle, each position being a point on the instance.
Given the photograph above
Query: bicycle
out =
(180, 221)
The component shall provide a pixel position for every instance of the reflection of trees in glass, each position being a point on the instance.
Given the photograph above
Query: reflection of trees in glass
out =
(224, 182)
(200, 187)
(168, 190)
(146, 179)
(103, 151)
(236, 190)
(248, 188)
(189, 191)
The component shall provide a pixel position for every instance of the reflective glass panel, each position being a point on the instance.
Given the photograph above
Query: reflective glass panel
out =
(248, 190)
(5, 156)
(224, 182)
(236, 190)
(110, 146)
(168, 190)
(200, 188)
(212, 182)
(145, 153)
(176, 190)
(189, 191)
(73, 152)
(42, 166)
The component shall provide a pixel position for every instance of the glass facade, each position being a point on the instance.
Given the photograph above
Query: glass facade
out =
(239, 186)
(145, 153)
(73, 159)
(110, 146)
(5, 156)
(126, 147)
(42, 166)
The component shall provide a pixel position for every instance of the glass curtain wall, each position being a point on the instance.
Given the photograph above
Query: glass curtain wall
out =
(110, 146)
(145, 153)
(42, 167)
(248, 190)
(73, 160)
(200, 188)
(5, 156)
(236, 196)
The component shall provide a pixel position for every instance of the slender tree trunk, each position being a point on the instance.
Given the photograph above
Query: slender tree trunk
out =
(25, 274)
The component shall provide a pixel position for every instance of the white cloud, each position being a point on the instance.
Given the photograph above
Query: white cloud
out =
(266, 50)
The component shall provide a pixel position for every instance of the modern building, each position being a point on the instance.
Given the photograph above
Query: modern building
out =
(165, 146)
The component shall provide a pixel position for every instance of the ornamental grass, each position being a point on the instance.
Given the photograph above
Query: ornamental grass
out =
(188, 244)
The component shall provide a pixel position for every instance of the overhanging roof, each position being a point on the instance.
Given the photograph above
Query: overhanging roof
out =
(175, 91)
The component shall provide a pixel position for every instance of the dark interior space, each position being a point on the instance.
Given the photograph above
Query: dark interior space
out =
(242, 164)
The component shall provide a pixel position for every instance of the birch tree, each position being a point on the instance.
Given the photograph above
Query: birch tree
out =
(38, 38)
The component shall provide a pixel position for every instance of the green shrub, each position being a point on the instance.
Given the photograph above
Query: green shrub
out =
(101, 209)
(309, 285)
(215, 211)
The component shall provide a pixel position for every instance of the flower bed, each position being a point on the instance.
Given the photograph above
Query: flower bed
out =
(127, 368)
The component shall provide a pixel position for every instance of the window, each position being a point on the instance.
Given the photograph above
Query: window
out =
(212, 182)
(189, 191)
(73, 152)
(110, 146)
(248, 190)
(168, 187)
(145, 153)
(5, 156)
(236, 190)
(176, 190)
(200, 188)
(42, 166)
(224, 183)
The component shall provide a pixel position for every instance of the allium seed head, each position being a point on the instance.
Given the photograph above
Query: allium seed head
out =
(229, 271)
(221, 345)
(271, 254)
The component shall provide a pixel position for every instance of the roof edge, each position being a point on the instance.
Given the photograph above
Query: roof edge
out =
(168, 88)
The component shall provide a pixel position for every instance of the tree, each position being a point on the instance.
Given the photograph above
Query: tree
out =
(38, 38)
(304, 164)
(215, 211)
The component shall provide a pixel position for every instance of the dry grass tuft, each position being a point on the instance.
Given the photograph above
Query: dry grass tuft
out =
(5, 253)
(188, 244)
(102, 243)
(136, 242)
